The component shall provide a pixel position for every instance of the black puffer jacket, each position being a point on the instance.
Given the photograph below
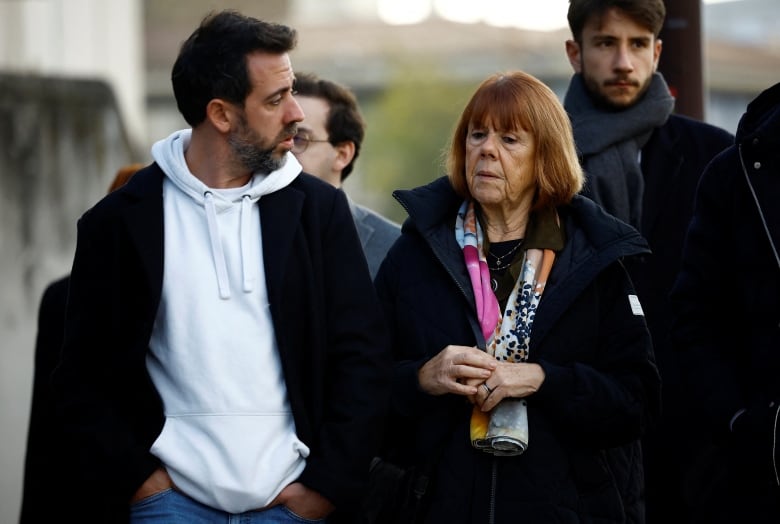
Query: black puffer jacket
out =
(583, 463)
(727, 331)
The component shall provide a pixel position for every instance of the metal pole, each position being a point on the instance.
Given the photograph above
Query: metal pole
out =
(681, 58)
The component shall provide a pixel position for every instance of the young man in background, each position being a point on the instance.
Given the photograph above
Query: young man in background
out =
(642, 164)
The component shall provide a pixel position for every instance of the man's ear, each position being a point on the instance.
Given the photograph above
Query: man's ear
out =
(657, 52)
(220, 114)
(574, 53)
(345, 152)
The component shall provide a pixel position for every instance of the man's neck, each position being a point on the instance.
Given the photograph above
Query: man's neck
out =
(209, 161)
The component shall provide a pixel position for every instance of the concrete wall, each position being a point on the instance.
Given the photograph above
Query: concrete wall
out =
(63, 134)
(100, 39)
(61, 142)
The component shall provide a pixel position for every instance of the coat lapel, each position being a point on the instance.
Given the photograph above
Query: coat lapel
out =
(280, 214)
(144, 221)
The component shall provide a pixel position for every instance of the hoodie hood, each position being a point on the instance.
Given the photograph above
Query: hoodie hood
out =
(169, 155)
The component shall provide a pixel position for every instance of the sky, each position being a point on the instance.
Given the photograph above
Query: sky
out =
(528, 14)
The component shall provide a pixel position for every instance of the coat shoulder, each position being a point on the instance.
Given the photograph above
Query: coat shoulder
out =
(146, 182)
(376, 221)
(679, 128)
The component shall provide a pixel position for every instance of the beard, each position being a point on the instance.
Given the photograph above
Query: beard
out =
(252, 153)
(601, 98)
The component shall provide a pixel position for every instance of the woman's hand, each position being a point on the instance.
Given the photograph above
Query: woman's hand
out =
(456, 369)
(515, 380)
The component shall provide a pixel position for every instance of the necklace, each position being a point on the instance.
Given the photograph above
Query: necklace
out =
(500, 265)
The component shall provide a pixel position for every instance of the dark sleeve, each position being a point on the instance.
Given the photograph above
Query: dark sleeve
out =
(699, 333)
(407, 397)
(358, 366)
(107, 406)
(607, 397)
(45, 491)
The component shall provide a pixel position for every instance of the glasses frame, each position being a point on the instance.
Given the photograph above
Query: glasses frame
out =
(301, 142)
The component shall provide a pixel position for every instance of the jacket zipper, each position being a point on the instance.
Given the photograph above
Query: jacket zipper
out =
(763, 222)
(758, 207)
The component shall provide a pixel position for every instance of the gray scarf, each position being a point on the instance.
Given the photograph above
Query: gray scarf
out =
(609, 144)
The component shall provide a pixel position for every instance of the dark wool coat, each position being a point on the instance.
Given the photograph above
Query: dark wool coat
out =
(327, 323)
(727, 330)
(583, 463)
(672, 163)
(47, 470)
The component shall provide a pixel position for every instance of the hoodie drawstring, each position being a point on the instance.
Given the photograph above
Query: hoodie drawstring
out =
(216, 246)
(246, 251)
(169, 154)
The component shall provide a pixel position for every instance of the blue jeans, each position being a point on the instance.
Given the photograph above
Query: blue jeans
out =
(173, 507)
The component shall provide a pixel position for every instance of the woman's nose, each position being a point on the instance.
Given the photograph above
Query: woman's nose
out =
(488, 147)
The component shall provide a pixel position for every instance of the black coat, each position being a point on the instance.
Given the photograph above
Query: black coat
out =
(672, 163)
(583, 462)
(47, 486)
(327, 323)
(727, 330)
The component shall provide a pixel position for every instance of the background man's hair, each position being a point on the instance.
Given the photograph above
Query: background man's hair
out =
(650, 14)
(344, 122)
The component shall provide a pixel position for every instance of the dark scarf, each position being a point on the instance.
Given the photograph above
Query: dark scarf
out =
(609, 144)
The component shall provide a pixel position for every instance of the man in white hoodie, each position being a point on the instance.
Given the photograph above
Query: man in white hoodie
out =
(224, 353)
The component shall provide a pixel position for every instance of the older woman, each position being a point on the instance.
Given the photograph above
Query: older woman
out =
(524, 369)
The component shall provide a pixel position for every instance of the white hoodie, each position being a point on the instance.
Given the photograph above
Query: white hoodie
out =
(229, 438)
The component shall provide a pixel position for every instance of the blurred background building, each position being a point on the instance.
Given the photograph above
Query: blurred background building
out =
(84, 89)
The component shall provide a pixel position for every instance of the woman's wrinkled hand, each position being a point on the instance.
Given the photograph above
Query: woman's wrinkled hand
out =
(456, 369)
(509, 380)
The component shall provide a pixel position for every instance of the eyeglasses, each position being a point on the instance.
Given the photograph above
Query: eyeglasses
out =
(301, 142)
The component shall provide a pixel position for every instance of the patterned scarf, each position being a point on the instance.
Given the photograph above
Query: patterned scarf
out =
(503, 431)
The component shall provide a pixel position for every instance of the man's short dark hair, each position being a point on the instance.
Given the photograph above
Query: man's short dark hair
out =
(649, 14)
(344, 122)
(212, 61)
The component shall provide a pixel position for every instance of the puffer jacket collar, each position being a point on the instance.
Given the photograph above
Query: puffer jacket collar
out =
(432, 209)
(594, 240)
(758, 133)
(762, 117)
(758, 147)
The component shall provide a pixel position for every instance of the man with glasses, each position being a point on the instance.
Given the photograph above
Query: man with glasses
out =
(327, 145)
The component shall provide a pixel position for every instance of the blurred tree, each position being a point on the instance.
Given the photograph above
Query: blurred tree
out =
(409, 127)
